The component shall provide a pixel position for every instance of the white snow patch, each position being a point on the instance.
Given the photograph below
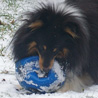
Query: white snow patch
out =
(9, 86)
(58, 70)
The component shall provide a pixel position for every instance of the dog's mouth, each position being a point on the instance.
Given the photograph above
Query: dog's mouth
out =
(47, 64)
(57, 68)
(64, 64)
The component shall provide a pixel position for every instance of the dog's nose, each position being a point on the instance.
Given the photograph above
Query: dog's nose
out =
(46, 70)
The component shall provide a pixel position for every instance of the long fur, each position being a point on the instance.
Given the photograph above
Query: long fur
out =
(63, 31)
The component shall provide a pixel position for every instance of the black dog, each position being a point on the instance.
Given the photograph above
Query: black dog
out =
(63, 31)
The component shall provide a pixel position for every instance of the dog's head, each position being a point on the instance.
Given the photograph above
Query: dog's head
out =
(52, 35)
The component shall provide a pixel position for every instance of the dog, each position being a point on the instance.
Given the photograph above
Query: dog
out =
(65, 31)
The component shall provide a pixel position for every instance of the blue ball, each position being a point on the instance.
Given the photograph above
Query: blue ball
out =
(31, 78)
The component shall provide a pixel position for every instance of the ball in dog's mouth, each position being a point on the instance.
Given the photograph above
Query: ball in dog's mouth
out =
(31, 77)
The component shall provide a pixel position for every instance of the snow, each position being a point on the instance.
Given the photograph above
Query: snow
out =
(58, 70)
(9, 86)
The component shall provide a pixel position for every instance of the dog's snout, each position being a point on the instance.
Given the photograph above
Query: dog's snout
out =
(45, 63)
(46, 70)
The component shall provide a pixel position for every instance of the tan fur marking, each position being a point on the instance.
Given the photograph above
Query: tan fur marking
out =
(54, 50)
(41, 62)
(65, 51)
(45, 47)
(32, 45)
(32, 48)
(36, 24)
(31, 51)
(68, 30)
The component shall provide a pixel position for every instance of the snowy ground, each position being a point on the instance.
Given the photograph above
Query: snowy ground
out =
(9, 87)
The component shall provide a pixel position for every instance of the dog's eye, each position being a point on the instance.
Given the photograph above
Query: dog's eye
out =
(60, 55)
(55, 49)
(33, 51)
(63, 53)
(44, 47)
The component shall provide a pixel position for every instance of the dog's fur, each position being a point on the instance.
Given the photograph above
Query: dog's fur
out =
(63, 31)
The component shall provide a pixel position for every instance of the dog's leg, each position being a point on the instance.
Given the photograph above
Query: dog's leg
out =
(76, 83)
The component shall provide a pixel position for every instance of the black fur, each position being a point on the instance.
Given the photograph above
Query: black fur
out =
(82, 53)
